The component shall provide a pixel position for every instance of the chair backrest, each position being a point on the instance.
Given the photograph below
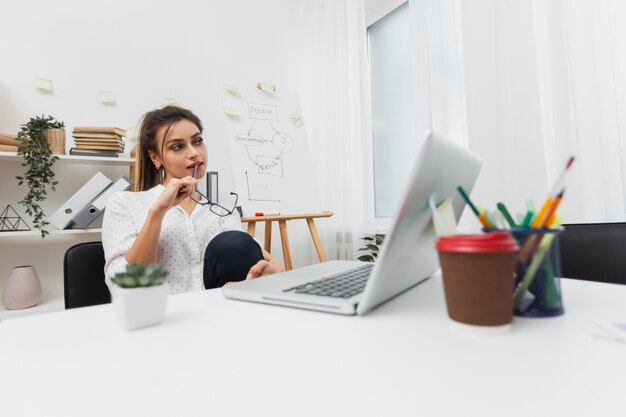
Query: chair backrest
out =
(594, 252)
(83, 276)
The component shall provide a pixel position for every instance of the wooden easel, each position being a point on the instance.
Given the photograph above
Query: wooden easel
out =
(284, 239)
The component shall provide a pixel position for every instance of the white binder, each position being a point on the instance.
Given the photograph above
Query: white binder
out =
(62, 218)
(94, 209)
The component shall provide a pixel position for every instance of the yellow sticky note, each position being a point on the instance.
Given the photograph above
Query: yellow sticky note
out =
(230, 111)
(446, 214)
(266, 87)
(106, 97)
(231, 88)
(297, 120)
(43, 84)
(168, 101)
(131, 133)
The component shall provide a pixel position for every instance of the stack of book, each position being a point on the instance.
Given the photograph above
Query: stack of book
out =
(8, 142)
(98, 141)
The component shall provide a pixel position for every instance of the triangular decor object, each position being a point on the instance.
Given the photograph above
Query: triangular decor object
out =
(10, 221)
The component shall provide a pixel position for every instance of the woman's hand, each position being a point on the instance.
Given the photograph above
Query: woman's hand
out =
(267, 266)
(175, 192)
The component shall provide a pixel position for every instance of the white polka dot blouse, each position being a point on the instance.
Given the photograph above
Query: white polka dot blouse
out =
(184, 237)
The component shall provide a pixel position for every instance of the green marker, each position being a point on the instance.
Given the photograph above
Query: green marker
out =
(529, 217)
(467, 200)
(506, 214)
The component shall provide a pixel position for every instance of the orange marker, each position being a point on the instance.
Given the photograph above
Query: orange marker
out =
(541, 217)
(551, 213)
(548, 209)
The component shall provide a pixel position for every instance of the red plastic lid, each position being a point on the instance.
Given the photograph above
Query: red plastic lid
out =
(485, 243)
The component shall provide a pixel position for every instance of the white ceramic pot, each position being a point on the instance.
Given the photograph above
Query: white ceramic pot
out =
(22, 289)
(140, 307)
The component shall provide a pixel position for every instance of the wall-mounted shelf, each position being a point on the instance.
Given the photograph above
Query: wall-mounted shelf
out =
(53, 233)
(72, 159)
(50, 304)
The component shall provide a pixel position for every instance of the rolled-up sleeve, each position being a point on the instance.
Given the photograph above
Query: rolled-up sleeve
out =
(118, 235)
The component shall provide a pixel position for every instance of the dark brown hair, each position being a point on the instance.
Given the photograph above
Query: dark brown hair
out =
(146, 174)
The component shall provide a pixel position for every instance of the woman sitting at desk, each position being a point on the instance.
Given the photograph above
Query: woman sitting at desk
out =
(166, 220)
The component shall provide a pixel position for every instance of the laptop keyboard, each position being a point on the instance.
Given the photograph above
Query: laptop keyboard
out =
(342, 285)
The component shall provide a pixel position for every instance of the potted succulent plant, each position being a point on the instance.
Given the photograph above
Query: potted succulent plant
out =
(140, 295)
(39, 158)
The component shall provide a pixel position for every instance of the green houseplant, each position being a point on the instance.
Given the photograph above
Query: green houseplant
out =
(372, 245)
(140, 295)
(39, 160)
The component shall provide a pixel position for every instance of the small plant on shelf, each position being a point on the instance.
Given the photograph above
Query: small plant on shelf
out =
(137, 275)
(39, 160)
(372, 245)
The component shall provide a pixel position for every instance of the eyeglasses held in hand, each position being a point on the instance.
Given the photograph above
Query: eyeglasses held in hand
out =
(214, 207)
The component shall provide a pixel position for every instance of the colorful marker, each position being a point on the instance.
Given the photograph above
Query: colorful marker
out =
(481, 217)
(506, 214)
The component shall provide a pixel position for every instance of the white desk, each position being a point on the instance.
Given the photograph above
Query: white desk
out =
(217, 357)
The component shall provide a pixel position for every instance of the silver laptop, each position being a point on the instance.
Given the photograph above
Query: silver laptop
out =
(408, 255)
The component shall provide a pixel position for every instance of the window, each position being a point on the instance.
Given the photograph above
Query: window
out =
(395, 144)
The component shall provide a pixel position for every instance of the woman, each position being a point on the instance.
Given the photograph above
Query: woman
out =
(166, 220)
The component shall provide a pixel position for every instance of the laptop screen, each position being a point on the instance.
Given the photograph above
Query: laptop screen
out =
(408, 255)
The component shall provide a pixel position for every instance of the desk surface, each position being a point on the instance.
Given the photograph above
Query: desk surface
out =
(220, 357)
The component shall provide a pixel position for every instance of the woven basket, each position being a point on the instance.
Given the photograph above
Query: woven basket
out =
(56, 140)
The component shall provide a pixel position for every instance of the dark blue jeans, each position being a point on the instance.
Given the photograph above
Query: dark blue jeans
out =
(228, 257)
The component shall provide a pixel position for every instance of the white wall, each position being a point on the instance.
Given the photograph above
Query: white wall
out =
(143, 51)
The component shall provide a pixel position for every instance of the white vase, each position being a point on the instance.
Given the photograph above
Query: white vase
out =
(22, 289)
(140, 307)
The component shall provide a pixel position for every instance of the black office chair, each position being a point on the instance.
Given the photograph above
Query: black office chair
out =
(83, 276)
(594, 252)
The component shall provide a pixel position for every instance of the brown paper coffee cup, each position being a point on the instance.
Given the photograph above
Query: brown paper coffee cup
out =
(478, 277)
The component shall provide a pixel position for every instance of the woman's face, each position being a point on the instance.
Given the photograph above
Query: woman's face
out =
(181, 150)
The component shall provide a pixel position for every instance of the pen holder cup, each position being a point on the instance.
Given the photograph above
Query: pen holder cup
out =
(537, 286)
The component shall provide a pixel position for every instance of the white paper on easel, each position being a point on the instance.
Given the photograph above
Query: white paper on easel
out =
(272, 167)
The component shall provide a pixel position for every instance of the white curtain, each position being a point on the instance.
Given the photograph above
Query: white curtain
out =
(439, 75)
(438, 68)
(581, 47)
(524, 85)
(335, 100)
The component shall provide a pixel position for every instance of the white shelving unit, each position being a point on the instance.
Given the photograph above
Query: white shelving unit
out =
(37, 233)
(46, 255)
(77, 160)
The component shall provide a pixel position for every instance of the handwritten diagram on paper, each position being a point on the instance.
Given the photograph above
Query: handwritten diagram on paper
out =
(281, 142)
(269, 152)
